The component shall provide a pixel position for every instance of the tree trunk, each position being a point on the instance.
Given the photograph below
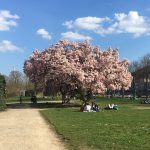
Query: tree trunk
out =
(146, 88)
(63, 98)
(35, 89)
(134, 89)
(122, 92)
(89, 95)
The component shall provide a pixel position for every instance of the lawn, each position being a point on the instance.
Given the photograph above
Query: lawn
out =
(124, 129)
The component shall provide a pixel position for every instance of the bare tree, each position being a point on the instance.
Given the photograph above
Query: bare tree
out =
(133, 68)
(17, 82)
(27, 84)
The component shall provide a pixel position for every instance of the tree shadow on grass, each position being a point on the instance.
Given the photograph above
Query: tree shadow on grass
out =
(41, 105)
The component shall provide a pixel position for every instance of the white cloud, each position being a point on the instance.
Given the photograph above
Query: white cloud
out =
(45, 35)
(131, 22)
(87, 23)
(7, 20)
(75, 36)
(8, 46)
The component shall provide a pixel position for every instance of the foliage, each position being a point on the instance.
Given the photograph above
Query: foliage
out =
(2, 92)
(2, 105)
(71, 68)
(125, 129)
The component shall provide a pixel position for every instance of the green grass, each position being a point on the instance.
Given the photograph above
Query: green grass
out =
(105, 130)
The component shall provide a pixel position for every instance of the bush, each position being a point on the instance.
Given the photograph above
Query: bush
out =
(2, 105)
(2, 92)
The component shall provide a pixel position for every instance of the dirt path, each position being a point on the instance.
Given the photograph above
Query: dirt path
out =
(25, 129)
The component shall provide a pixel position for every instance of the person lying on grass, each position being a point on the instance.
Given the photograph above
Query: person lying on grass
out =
(111, 107)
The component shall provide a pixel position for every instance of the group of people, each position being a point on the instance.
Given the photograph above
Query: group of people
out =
(93, 107)
(87, 107)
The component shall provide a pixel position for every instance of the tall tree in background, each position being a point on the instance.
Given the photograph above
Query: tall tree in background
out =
(133, 68)
(17, 82)
(77, 67)
(145, 64)
(14, 83)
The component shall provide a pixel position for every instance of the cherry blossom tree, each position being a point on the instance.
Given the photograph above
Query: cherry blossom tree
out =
(34, 68)
(71, 68)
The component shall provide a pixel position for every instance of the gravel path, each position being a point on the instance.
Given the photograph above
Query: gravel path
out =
(25, 129)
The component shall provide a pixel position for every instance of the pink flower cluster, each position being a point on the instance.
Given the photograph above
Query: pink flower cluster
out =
(72, 66)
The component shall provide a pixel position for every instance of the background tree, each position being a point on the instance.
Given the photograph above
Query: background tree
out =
(17, 82)
(14, 83)
(133, 68)
(145, 64)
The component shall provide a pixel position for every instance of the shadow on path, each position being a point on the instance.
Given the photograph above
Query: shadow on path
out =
(40, 105)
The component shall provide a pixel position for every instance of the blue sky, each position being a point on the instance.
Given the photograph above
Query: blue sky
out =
(29, 24)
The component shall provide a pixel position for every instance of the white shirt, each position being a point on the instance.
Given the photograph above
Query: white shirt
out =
(87, 108)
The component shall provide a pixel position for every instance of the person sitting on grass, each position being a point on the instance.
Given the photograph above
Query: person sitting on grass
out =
(87, 108)
(95, 107)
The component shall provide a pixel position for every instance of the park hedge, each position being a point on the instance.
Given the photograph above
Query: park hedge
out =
(2, 93)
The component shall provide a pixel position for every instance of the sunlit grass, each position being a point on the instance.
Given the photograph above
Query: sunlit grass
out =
(126, 128)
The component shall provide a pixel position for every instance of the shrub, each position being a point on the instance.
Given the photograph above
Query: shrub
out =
(2, 92)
